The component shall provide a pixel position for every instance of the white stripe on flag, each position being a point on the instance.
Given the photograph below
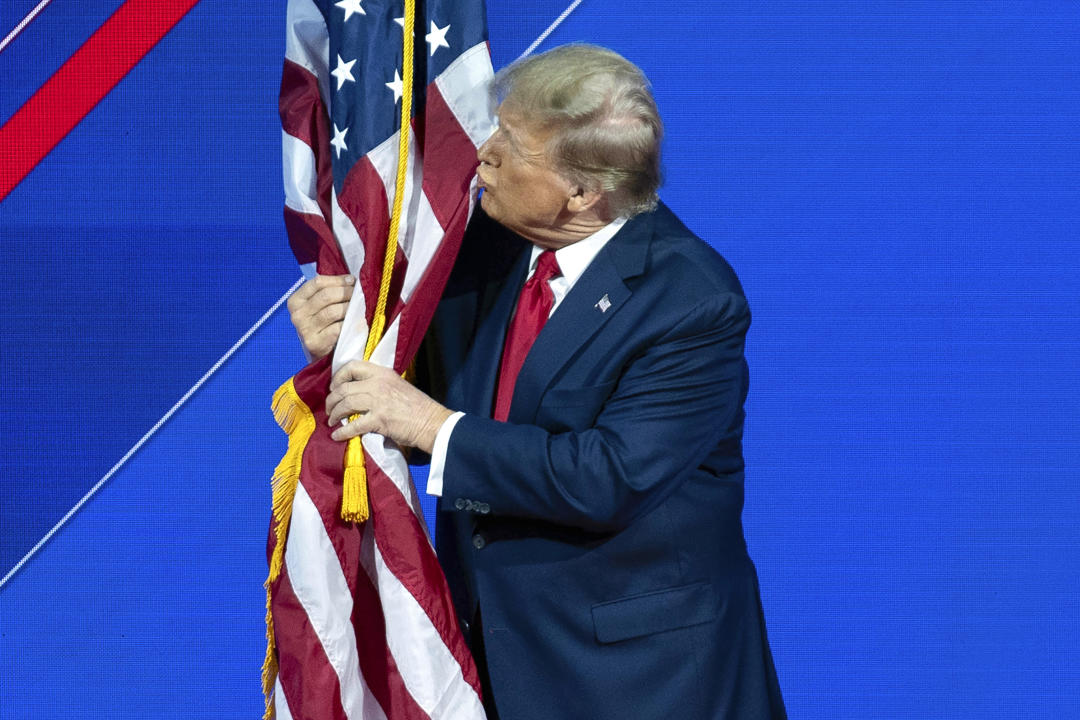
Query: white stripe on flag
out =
(464, 86)
(307, 42)
(348, 239)
(354, 329)
(386, 350)
(281, 705)
(385, 159)
(298, 168)
(320, 586)
(427, 238)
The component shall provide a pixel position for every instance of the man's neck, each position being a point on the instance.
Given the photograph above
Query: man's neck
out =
(577, 227)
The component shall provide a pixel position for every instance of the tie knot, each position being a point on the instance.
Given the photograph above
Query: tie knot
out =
(547, 266)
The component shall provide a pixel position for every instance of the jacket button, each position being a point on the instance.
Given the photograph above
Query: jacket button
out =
(459, 503)
(484, 508)
(478, 542)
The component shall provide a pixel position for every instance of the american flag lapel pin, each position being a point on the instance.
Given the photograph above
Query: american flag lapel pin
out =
(603, 303)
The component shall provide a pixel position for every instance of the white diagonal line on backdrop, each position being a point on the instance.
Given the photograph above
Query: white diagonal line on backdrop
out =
(18, 29)
(550, 28)
(149, 433)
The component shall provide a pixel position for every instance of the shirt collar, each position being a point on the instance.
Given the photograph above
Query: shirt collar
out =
(575, 257)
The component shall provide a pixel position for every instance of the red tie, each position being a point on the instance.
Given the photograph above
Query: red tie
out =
(533, 307)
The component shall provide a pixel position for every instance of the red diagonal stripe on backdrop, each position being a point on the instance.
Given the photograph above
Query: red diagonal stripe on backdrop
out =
(80, 83)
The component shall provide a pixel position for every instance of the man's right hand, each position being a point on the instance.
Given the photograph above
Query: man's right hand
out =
(317, 310)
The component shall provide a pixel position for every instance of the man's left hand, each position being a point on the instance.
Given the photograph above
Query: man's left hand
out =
(386, 403)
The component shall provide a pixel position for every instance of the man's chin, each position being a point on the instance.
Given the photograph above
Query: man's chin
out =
(489, 205)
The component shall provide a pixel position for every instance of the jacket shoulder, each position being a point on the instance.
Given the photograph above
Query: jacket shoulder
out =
(680, 259)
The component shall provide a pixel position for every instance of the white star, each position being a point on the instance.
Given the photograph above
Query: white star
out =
(339, 140)
(343, 72)
(437, 37)
(350, 7)
(400, 21)
(396, 86)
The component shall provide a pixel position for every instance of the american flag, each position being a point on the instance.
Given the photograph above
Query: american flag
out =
(360, 621)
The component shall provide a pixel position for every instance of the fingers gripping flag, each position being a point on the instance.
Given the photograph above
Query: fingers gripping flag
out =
(359, 618)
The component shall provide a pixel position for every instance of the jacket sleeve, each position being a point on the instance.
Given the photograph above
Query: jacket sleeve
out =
(673, 404)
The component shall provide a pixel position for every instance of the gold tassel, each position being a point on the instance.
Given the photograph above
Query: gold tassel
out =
(297, 420)
(354, 496)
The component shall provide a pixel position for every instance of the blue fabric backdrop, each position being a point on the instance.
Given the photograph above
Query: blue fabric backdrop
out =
(898, 186)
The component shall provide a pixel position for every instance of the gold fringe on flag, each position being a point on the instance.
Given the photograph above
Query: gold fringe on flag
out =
(354, 497)
(298, 422)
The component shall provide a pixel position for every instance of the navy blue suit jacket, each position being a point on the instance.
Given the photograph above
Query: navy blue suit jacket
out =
(598, 531)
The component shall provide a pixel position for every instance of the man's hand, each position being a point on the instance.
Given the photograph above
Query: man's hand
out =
(317, 310)
(387, 404)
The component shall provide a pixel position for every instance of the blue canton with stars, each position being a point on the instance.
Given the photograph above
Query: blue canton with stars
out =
(365, 65)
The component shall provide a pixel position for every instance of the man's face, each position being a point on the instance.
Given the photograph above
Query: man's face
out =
(521, 190)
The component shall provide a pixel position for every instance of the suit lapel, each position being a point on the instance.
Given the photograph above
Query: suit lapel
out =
(482, 369)
(595, 298)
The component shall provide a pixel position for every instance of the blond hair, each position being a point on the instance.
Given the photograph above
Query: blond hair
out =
(605, 128)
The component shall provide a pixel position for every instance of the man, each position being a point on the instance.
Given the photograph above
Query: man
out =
(588, 456)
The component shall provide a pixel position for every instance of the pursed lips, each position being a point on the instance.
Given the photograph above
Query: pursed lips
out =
(481, 182)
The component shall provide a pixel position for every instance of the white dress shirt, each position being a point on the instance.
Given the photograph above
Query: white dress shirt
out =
(572, 259)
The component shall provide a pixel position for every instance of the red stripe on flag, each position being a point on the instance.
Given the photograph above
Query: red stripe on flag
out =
(307, 234)
(304, 116)
(300, 106)
(81, 82)
(309, 681)
(449, 158)
(363, 200)
(397, 280)
(416, 316)
(409, 556)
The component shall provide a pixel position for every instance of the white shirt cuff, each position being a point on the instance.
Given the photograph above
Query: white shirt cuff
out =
(438, 454)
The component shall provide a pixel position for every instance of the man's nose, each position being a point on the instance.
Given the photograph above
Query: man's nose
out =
(487, 153)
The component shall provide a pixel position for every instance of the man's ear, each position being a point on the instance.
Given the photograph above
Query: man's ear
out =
(583, 200)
